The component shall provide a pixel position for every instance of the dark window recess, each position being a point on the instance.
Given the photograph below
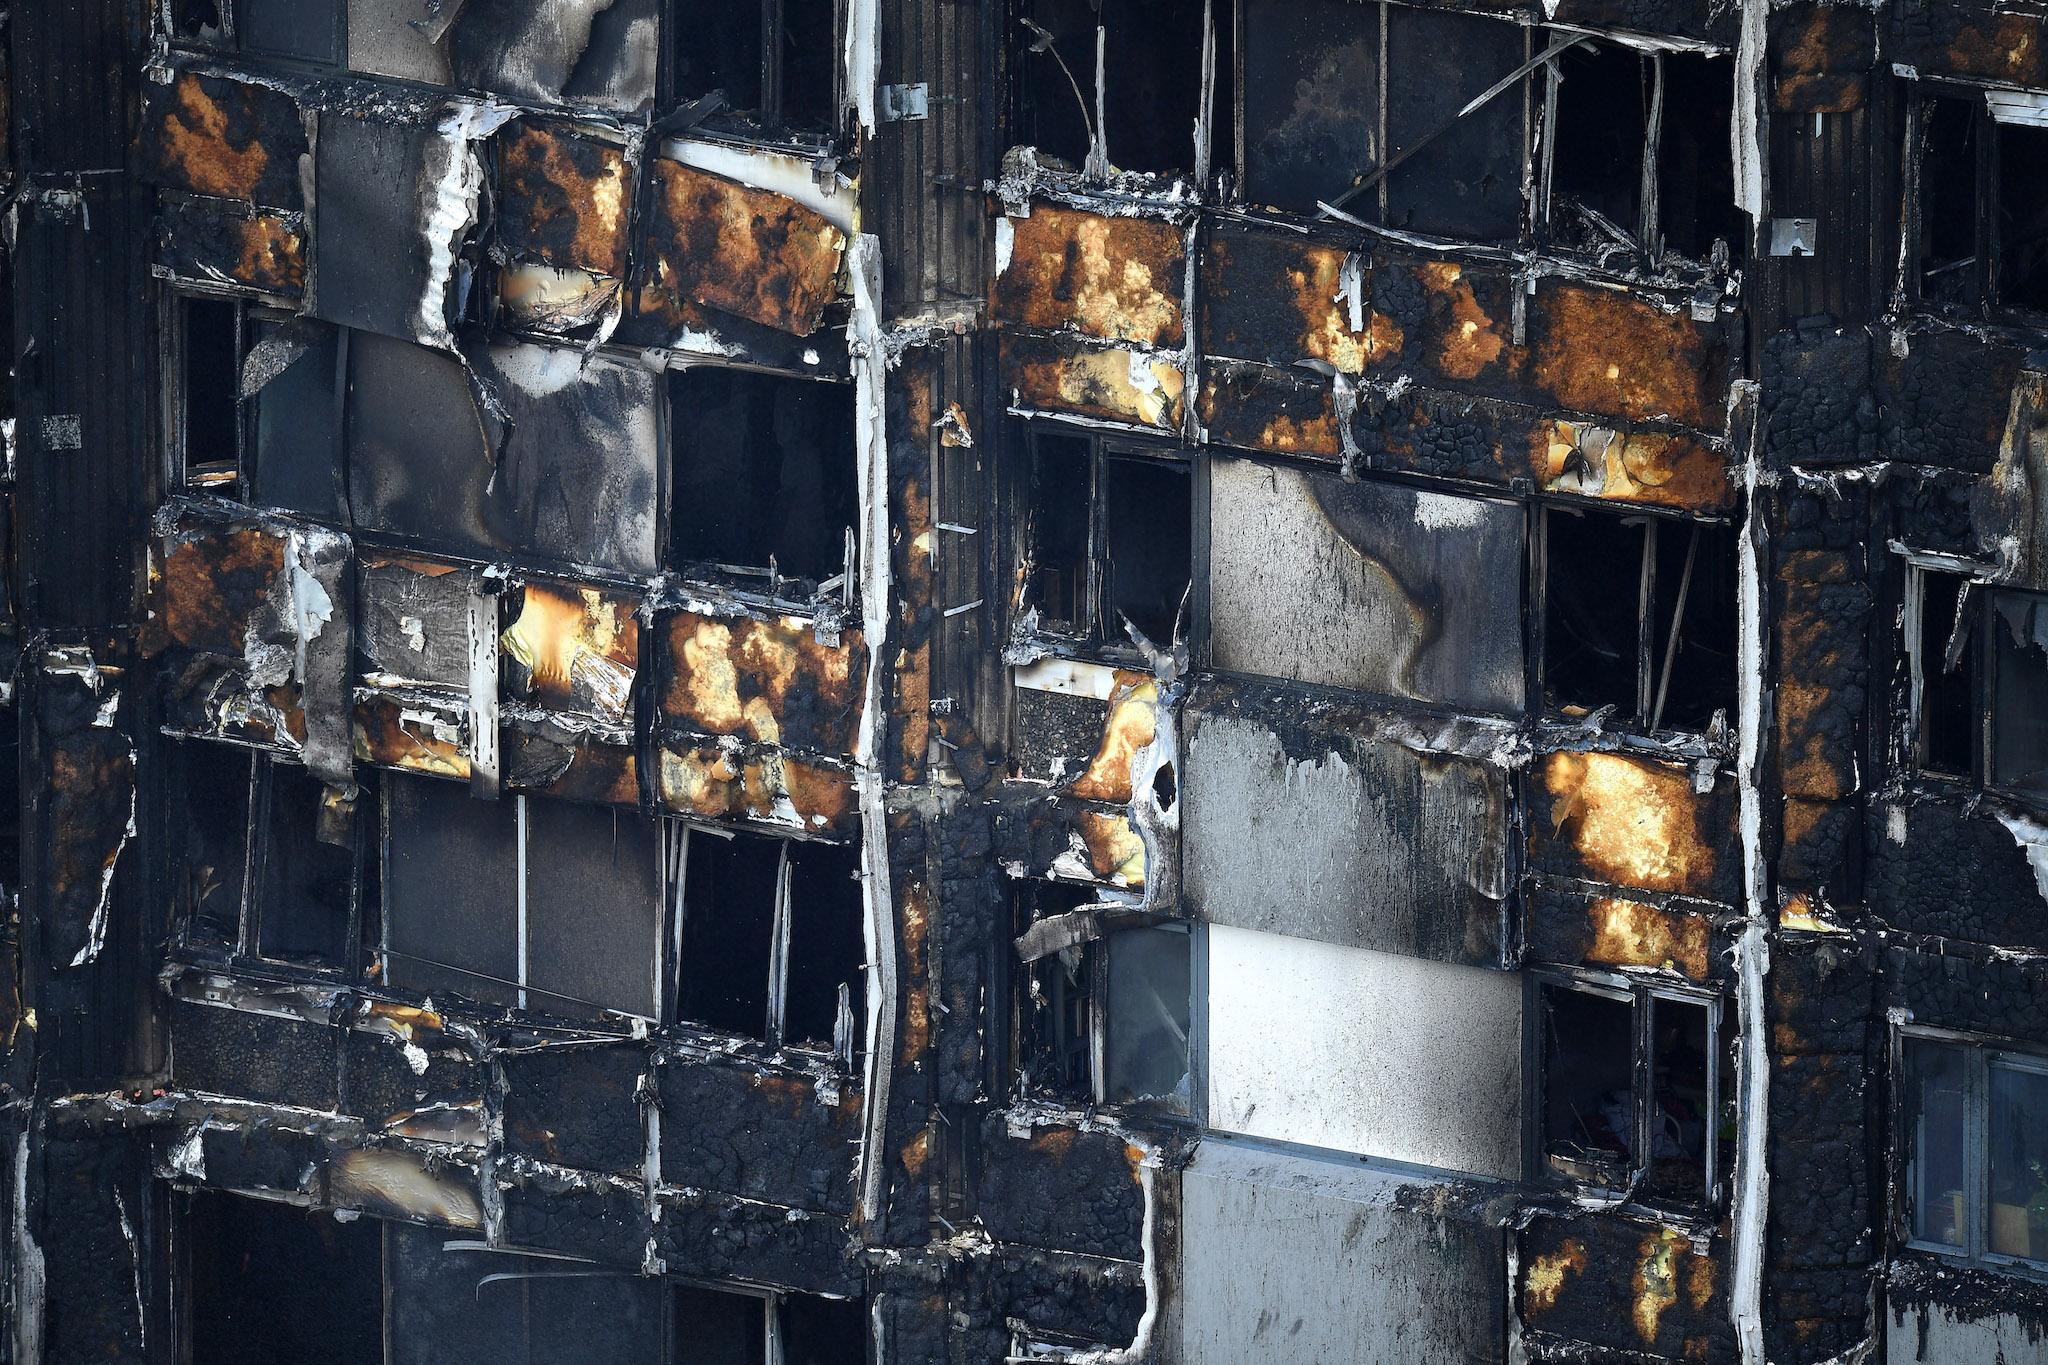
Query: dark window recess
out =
(455, 900)
(772, 940)
(306, 887)
(772, 60)
(1973, 1133)
(819, 1331)
(207, 791)
(1147, 539)
(1150, 75)
(209, 428)
(722, 1328)
(1638, 615)
(453, 1303)
(1309, 113)
(267, 1282)
(1946, 681)
(1635, 1091)
(2019, 698)
(765, 472)
(1109, 537)
(1464, 178)
(1629, 122)
(1982, 206)
(1588, 1069)
(1105, 1018)
(304, 30)
(195, 18)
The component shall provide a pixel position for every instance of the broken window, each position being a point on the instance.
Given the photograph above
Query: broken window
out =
(1638, 617)
(766, 478)
(1102, 1009)
(772, 60)
(771, 943)
(1333, 91)
(1110, 537)
(204, 426)
(1637, 152)
(268, 860)
(266, 1282)
(1633, 1089)
(1964, 723)
(1973, 1132)
(1980, 208)
(301, 30)
(526, 902)
(731, 1327)
(1135, 65)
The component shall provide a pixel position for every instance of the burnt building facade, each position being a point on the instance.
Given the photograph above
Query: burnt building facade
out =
(831, 681)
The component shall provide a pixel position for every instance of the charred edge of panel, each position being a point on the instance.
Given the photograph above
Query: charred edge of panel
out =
(220, 137)
(1111, 278)
(715, 243)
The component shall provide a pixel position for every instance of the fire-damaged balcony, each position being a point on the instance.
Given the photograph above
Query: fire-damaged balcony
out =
(1013, 680)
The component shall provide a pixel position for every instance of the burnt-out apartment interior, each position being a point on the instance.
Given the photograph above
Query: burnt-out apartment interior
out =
(811, 682)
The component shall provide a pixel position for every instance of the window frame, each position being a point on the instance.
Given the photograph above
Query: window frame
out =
(1089, 637)
(1655, 659)
(1980, 598)
(772, 16)
(1982, 1053)
(1985, 264)
(1641, 997)
(678, 834)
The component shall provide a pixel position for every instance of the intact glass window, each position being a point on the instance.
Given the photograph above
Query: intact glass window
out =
(1974, 1135)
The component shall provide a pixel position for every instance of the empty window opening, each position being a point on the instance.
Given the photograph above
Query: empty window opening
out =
(195, 18)
(207, 432)
(1308, 122)
(296, 427)
(1638, 616)
(1695, 163)
(1588, 1069)
(772, 60)
(1109, 537)
(1942, 654)
(1974, 1135)
(268, 1282)
(1981, 208)
(765, 473)
(527, 902)
(1459, 171)
(772, 938)
(300, 30)
(2019, 702)
(1143, 75)
(1103, 1018)
(1603, 119)
(208, 797)
(723, 1327)
(309, 856)
(1634, 1090)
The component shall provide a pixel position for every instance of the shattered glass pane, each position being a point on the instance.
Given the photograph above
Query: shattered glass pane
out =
(1937, 1169)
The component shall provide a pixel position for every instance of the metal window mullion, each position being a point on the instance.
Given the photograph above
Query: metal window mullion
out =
(771, 59)
(1976, 1153)
(1536, 673)
(245, 481)
(1713, 1115)
(254, 847)
(771, 1328)
(1097, 961)
(1097, 569)
(520, 862)
(1646, 620)
(1385, 154)
(1653, 131)
(778, 949)
(1986, 660)
(1988, 244)
(1643, 1007)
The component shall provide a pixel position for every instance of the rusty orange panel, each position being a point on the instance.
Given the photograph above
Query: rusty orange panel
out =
(562, 199)
(1051, 375)
(571, 767)
(391, 733)
(719, 244)
(576, 648)
(1632, 933)
(1116, 851)
(1658, 468)
(1444, 321)
(1258, 408)
(210, 586)
(772, 788)
(1115, 279)
(1608, 352)
(1133, 715)
(1821, 57)
(1277, 299)
(1949, 40)
(1628, 821)
(220, 137)
(206, 240)
(914, 920)
(772, 681)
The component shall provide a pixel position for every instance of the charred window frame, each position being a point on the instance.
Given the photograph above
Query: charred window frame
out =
(259, 1280)
(1650, 170)
(310, 31)
(770, 939)
(205, 429)
(1660, 657)
(764, 469)
(1107, 536)
(1103, 85)
(1970, 1144)
(1976, 666)
(1101, 1000)
(269, 863)
(774, 63)
(1630, 1088)
(1977, 212)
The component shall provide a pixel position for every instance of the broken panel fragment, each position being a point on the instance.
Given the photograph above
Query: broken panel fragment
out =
(716, 243)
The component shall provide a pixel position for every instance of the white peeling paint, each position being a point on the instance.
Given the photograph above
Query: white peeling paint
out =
(451, 182)
(1006, 242)
(1752, 948)
(863, 59)
(28, 1266)
(2032, 837)
(780, 173)
(1071, 677)
(1746, 125)
(96, 931)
